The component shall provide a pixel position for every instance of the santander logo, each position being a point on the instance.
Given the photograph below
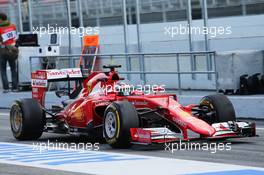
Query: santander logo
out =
(64, 73)
(73, 72)
(56, 73)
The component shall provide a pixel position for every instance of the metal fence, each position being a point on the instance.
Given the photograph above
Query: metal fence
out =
(136, 63)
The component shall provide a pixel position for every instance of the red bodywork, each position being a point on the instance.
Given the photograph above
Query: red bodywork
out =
(88, 108)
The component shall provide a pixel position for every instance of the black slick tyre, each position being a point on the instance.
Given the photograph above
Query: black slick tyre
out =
(119, 117)
(26, 119)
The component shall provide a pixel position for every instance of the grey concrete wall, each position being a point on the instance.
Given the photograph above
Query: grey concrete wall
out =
(247, 34)
(231, 65)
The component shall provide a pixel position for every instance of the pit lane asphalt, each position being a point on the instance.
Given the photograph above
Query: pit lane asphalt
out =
(244, 151)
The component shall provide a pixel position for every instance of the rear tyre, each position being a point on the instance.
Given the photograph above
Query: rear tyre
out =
(27, 119)
(220, 107)
(119, 117)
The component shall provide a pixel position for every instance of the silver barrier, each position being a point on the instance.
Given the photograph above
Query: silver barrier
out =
(70, 61)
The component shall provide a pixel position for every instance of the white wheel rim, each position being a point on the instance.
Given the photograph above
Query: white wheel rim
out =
(110, 124)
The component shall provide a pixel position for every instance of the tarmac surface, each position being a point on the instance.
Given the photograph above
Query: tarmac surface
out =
(244, 151)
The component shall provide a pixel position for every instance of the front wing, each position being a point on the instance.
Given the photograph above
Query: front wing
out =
(224, 130)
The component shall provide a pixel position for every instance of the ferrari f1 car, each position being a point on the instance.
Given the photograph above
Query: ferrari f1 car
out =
(122, 117)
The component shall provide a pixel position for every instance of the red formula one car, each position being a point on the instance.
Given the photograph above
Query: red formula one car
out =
(122, 116)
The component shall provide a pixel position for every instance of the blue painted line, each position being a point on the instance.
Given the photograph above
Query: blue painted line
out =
(235, 172)
(10, 153)
(4, 146)
(8, 145)
(27, 150)
(18, 151)
(21, 153)
(43, 152)
(4, 156)
(16, 147)
(106, 158)
(10, 149)
(13, 144)
(31, 157)
(54, 157)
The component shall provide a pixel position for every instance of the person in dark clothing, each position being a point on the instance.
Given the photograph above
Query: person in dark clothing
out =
(8, 52)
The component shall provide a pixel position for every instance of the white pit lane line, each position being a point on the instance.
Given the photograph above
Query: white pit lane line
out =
(106, 163)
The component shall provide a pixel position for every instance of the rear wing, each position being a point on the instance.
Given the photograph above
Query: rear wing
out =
(64, 74)
(41, 78)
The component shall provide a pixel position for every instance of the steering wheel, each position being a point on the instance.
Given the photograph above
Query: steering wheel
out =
(111, 67)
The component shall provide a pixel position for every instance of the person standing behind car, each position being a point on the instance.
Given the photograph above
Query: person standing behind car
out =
(8, 52)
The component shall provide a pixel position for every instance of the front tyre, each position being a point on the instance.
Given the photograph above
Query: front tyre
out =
(220, 107)
(119, 117)
(26, 119)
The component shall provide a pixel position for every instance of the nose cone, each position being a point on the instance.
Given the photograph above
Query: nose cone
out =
(188, 121)
(200, 126)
